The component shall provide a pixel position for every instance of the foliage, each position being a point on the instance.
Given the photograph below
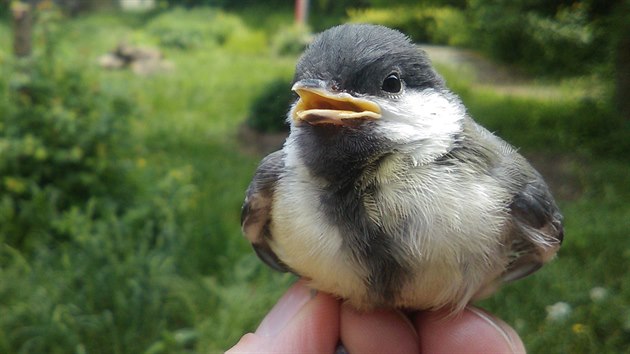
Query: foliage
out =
(162, 267)
(437, 3)
(5, 7)
(247, 41)
(291, 40)
(69, 312)
(560, 40)
(553, 38)
(187, 29)
(575, 116)
(221, 3)
(88, 247)
(587, 126)
(440, 25)
(60, 142)
(269, 110)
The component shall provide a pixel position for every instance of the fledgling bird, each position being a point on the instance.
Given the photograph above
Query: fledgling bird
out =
(386, 192)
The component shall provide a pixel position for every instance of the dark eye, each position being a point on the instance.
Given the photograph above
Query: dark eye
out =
(392, 84)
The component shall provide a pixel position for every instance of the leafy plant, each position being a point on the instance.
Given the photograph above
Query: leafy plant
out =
(439, 25)
(560, 40)
(187, 29)
(61, 141)
(268, 111)
(291, 40)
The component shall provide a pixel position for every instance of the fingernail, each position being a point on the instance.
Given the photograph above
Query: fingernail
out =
(408, 322)
(286, 308)
(496, 324)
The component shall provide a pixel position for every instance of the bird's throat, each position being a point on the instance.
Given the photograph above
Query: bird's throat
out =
(339, 153)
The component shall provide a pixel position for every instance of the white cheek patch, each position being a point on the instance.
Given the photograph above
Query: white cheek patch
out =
(426, 121)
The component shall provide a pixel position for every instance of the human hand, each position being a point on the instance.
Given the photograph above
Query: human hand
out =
(305, 321)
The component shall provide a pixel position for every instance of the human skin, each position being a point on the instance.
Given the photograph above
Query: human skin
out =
(306, 321)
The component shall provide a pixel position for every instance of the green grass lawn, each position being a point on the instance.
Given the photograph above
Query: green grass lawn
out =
(198, 287)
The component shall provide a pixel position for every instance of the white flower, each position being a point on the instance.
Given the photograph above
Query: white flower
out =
(558, 311)
(598, 293)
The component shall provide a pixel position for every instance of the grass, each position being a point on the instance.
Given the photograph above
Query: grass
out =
(198, 287)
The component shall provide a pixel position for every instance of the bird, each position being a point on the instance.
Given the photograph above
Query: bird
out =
(386, 192)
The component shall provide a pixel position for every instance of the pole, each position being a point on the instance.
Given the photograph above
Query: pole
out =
(22, 29)
(301, 11)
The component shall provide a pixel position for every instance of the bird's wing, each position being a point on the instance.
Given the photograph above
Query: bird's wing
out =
(535, 231)
(536, 226)
(256, 211)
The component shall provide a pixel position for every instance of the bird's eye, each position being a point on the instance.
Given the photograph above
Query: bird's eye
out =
(392, 84)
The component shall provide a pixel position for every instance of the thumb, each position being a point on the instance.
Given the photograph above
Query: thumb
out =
(302, 321)
(472, 331)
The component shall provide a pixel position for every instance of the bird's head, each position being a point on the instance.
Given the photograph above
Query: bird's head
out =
(373, 84)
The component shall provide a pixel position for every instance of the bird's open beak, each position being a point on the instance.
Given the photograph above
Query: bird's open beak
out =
(317, 105)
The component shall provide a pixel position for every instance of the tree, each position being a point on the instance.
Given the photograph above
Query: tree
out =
(622, 61)
(22, 28)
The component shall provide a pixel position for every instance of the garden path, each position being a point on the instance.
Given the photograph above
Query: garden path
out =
(487, 73)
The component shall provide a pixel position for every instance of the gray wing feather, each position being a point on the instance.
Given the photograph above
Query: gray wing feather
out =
(535, 231)
(536, 227)
(257, 208)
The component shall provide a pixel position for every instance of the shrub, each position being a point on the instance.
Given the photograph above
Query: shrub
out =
(61, 141)
(268, 111)
(186, 29)
(588, 125)
(246, 41)
(103, 291)
(439, 25)
(291, 40)
(561, 41)
(565, 41)
(63, 176)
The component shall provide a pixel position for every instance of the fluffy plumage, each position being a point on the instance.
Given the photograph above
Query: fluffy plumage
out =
(419, 208)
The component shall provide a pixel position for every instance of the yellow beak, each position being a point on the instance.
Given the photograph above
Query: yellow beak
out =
(320, 106)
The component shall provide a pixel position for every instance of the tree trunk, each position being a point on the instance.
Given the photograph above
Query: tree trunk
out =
(622, 69)
(22, 29)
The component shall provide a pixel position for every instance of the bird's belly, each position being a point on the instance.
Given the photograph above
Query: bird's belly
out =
(311, 246)
(445, 243)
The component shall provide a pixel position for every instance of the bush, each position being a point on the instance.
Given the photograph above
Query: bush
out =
(103, 291)
(268, 111)
(559, 42)
(565, 41)
(438, 25)
(291, 40)
(61, 141)
(187, 29)
(246, 41)
(588, 126)
(63, 177)
(223, 3)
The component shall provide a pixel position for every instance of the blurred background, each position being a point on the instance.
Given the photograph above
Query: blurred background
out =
(130, 129)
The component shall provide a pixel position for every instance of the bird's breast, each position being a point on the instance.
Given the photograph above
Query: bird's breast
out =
(307, 240)
(399, 227)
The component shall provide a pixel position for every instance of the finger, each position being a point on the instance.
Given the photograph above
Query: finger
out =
(472, 331)
(315, 329)
(285, 309)
(380, 331)
(302, 321)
